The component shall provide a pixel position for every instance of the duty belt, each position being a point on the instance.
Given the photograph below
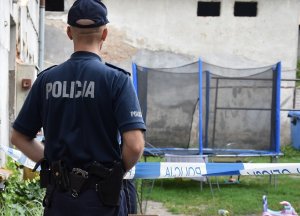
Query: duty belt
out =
(75, 181)
(106, 181)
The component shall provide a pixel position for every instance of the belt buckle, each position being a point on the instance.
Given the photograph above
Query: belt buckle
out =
(80, 172)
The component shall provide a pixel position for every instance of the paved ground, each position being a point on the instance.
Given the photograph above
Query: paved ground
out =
(156, 208)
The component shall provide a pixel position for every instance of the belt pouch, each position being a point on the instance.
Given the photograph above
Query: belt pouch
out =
(60, 175)
(45, 176)
(109, 189)
(45, 173)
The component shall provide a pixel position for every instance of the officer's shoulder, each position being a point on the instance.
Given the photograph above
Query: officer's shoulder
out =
(47, 69)
(117, 68)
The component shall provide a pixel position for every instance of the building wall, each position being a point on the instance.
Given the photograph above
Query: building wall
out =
(225, 40)
(173, 25)
(28, 31)
(4, 53)
(18, 46)
(27, 48)
(299, 45)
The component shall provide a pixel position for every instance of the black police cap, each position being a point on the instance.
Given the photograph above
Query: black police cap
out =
(93, 10)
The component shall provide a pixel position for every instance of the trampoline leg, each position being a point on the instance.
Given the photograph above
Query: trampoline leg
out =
(210, 186)
(143, 209)
(218, 184)
(273, 178)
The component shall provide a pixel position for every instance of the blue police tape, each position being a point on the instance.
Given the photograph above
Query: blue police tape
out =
(18, 156)
(158, 170)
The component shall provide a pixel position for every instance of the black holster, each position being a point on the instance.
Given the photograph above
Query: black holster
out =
(60, 175)
(109, 187)
(56, 173)
(45, 173)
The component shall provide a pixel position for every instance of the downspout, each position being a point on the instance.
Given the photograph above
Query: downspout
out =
(41, 35)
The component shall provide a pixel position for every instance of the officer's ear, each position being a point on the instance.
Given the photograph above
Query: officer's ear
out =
(69, 33)
(104, 34)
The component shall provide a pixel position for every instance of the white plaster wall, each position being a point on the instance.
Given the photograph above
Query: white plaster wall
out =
(24, 71)
(4, 25)
(4, 114)
(299, 46)
(25, 14)
(33, 8)
(68, 4)
(4, 49)
(28, 48)
(173, 25)
(28, 32)
(27, 45)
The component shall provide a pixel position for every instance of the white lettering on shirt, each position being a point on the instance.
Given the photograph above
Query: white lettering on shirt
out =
(136, 114)
(70, 89)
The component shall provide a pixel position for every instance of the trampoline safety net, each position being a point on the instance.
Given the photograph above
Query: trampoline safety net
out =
(237, 106)
(168, 99)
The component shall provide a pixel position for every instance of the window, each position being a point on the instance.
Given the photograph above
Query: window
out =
(208, 8)
(245, 9)
(55, 5)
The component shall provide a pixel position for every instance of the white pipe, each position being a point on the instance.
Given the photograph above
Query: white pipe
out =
(41, 35)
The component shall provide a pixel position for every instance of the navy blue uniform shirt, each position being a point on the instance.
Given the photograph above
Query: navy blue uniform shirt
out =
(81, 105)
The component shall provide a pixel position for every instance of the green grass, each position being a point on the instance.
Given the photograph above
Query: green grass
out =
(184, 196)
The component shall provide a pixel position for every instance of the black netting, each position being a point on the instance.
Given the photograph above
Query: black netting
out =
(237, 106)
(168, 99)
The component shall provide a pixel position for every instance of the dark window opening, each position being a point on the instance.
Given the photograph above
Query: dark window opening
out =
(208, 8)
(55, 5)
(245, 9)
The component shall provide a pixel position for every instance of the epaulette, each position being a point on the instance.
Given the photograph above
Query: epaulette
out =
(46, 70)
(117, 68)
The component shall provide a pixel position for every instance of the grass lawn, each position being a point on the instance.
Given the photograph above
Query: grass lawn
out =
(184, 196)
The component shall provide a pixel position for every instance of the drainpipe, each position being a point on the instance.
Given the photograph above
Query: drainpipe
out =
(41, 34)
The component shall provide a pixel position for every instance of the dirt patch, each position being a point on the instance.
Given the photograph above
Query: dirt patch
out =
(156, 208)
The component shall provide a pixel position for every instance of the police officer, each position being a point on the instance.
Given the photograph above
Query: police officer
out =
(82, 105)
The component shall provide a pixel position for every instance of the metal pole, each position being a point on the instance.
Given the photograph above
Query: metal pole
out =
(41, 34)
(215, 114)
(200, 140)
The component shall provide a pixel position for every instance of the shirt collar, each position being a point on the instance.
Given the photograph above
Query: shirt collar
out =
(85, 55)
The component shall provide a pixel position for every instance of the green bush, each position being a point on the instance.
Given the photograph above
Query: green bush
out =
(20, 197)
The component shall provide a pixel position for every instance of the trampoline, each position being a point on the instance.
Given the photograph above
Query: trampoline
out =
(201, 108)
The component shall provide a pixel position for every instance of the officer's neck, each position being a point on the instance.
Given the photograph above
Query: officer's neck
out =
(86, 48)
